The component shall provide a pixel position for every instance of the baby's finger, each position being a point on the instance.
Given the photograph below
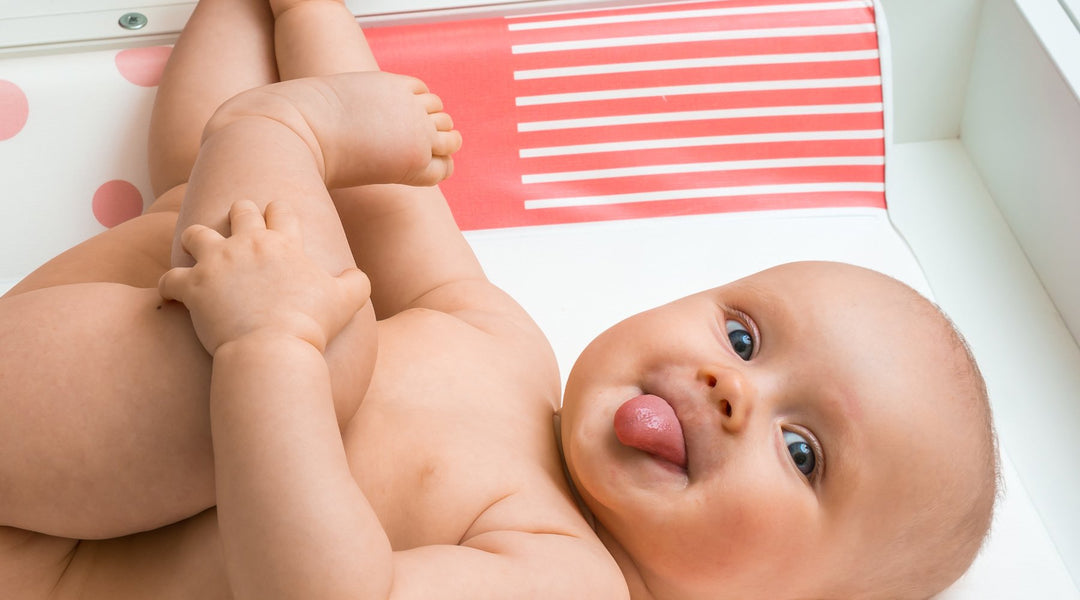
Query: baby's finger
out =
(172, 283)
(197, 239)
(281, 218)
(245, 217)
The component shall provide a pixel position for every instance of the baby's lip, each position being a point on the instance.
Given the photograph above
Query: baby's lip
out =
(698, 420)
(650, 424)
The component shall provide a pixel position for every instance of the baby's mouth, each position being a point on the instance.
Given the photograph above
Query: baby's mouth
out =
(648, 423)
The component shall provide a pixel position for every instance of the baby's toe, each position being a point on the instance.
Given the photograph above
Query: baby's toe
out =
(446, 143)
(431, 103)
(440, 168)
(442, 121)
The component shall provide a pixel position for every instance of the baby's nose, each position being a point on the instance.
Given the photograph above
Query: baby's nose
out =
(731, 393)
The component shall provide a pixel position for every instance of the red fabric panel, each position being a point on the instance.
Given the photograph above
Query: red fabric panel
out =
(739, 74)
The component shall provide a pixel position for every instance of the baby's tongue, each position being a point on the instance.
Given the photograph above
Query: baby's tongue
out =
(649, 424)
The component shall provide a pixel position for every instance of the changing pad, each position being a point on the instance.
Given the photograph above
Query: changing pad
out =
(615, 159)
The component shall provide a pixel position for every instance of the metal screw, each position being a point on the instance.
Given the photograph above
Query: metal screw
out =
(133, 20)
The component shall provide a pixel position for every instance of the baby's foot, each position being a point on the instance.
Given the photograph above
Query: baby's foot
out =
(361, 128)
(376, 127)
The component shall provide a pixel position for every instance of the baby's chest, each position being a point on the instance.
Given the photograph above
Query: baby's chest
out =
(432, 467)
(449, 427)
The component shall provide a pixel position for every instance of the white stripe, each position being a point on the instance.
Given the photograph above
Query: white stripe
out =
(699, 115)
(715, 140)
(703, 88)
(578, 11)
(689, 14)
(795, 188)
(708, 167)
(696, 63)
(706, 36)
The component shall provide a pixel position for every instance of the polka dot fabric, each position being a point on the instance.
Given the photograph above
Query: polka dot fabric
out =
(14, 109)
(72, 148)
(143, 66)
(116, 201)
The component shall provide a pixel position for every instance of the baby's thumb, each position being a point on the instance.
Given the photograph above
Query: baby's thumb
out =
(171, 285)
(356, 285)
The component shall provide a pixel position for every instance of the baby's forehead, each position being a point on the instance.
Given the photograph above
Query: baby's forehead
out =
(828, 279)
(873, 345)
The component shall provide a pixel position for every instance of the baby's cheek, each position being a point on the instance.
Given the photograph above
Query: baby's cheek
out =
(767, 521)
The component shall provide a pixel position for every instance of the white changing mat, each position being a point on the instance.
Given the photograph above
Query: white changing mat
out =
(77, 164)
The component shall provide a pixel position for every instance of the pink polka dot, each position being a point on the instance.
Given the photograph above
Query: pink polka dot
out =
(143, 66)
(116, 201)
(13, 109)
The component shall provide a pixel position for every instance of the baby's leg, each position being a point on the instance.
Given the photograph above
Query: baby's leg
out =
(104, 421)
(320, 37)
(103, 388)
(227, 47)
(103, 418)
(325, 240)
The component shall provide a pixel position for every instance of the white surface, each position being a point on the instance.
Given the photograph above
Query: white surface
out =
(30, 27)
(1056, 27)
(1073, 8)
(578, 279)
(982, 279)
(1021, 128)
(932, 42)
(89, 137)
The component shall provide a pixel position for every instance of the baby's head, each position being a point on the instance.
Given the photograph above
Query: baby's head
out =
(813, 431)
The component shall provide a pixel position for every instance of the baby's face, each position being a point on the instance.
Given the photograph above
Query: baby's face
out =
(808, 424)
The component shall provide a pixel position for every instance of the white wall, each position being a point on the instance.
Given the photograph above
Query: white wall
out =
(932, 43)
(1021, 127)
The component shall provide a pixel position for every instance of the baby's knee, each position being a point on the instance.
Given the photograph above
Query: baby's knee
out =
(278, 104)
(310, 109)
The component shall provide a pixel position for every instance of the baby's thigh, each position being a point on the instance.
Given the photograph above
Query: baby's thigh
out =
(104, 419)
(31, 563)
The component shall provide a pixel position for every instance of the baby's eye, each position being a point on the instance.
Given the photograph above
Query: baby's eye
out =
(741, 340)
(802, 453)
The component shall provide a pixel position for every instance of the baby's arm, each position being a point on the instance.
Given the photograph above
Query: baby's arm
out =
(293, 521)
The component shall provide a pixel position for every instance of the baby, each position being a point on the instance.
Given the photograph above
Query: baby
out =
(813, 431)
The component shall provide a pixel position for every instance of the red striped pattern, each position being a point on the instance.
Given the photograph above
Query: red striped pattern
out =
(667, 109)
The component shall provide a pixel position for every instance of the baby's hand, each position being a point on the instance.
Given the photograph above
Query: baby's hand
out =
(259, 279)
